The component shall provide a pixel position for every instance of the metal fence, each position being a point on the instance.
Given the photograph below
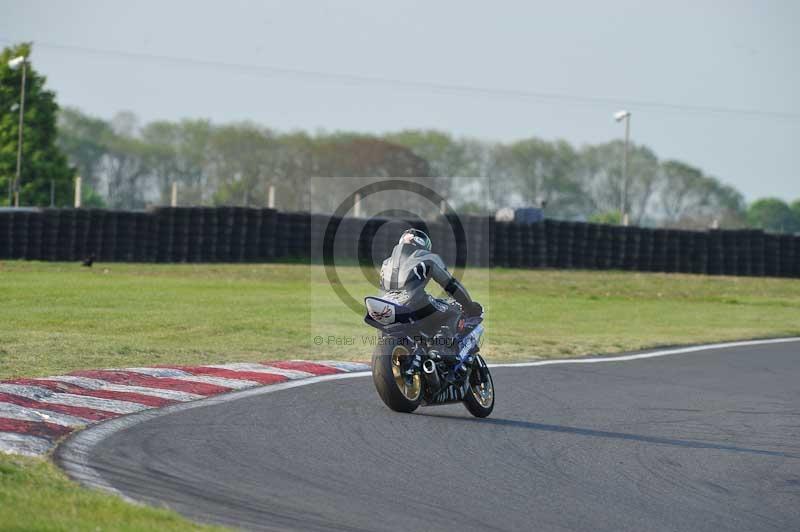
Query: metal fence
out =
(233, 234)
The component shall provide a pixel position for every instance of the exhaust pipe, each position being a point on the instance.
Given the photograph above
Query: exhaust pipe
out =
(431, 376)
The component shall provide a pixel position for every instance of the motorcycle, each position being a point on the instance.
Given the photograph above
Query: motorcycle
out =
(413, 367)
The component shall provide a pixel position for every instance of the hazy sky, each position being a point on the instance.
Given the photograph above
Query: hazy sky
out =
(553, 70)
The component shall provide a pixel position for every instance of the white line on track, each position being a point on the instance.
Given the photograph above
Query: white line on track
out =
(649, 354)
(346, 366)
(289, 373)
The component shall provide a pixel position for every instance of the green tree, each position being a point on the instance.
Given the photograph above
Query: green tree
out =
(690, 199)
(90, 197)
(42, 161)
(243, 159)
(446, 156)
(542, 171)
(450, 160)
(685, 188)
(795, 206)
(84, 139)
(125, 167)
(178, 152)
(772, 214)
(611, 218)
(601, 175)
(372, 159)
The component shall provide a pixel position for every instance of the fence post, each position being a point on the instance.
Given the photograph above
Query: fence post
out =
(174, 201)
(78, 192)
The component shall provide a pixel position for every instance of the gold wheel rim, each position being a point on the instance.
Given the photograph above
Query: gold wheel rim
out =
(483, 392)
(410, 390)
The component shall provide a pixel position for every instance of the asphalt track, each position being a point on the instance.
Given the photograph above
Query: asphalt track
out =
(702, 441)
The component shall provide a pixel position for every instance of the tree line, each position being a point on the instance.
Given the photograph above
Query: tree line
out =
(129, 165)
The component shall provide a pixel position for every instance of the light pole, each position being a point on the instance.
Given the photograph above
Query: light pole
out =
(623, 210)
(14, 64)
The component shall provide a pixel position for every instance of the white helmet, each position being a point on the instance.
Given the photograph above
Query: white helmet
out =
(415, 237)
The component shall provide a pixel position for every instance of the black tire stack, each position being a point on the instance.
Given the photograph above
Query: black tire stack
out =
(514, 250)
(252, 239)
(605, 247)
(540, 241)
(745, 253)
(64, 234)
(730, 253)
(6, 234)
(590, 259)
(165, 220)
(224, 234)
(659, 261)
(686, 251)
(715, 252)
(35, 232)
(500, 241)
(616, 238)
(563, 238)
(82, 234)
(365, 234)
(126, 237)
(580, 245)
(50, 248)
(297, 238)
(788, 256)
(551, 243)
(178, 234)
(699, 262)
(757, 252)
(672, 255)
(19, 234)
(196, 233)
(479, 243)
(530, 250)
(269, 223)
(282, 235)
(345, 236)
(236, 234)
(210, 230)
(457, 242)
(645, 263)
(772, 258)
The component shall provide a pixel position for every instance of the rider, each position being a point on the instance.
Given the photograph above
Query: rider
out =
(407, 271)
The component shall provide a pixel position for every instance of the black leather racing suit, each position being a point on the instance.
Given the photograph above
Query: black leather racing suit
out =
(404, 276)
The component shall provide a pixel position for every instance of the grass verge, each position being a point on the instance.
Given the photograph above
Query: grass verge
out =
(57, 317)
(36, 495)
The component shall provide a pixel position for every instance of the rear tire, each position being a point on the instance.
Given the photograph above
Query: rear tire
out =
(397, 392)
(480, 396)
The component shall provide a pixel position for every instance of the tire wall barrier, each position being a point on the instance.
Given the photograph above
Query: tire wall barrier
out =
(238, 234)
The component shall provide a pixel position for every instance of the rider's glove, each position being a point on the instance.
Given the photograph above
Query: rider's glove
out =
(474, 309)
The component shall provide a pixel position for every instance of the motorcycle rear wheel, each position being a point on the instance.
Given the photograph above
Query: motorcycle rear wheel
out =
(480, 395)
(398, 392)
